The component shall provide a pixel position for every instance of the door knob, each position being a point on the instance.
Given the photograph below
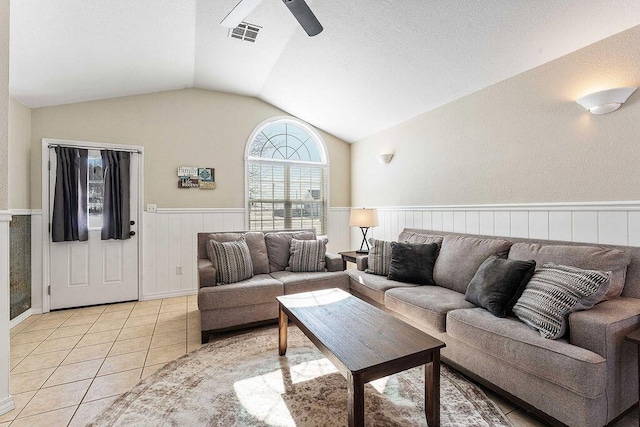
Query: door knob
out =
(132, 233)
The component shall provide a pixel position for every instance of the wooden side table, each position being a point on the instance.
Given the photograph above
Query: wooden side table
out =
(349, 256)
(634, 337)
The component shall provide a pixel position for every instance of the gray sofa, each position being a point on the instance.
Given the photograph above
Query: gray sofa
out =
(253, 301)
(587, 378)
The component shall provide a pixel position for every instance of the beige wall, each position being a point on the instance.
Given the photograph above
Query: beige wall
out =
(4, 103)
(523, 140)
(188, 127)
(19, 155)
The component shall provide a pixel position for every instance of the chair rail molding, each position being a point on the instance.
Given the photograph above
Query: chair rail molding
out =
(609, 222)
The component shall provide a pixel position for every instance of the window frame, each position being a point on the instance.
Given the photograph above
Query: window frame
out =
(324, 154)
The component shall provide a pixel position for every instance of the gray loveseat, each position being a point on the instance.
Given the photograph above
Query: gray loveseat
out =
(253, 301)
(587, 378)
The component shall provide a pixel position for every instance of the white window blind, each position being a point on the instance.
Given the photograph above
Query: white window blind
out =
(287, 179)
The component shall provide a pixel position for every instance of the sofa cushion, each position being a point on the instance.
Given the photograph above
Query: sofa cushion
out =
(231, 260)
(411, 237)
(379, 258)
(554, 292)
(461, 256)
(515, 344)
(427, 305)
(304, 282)
(413, 262)
(278, 247)
(586, 257)
(307, 255)
(255, 242)
(498, 284)
(259, 289)
(373, 286)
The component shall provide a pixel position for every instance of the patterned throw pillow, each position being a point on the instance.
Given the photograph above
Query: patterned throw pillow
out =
(307, 255)
(554, 292)
(379, 257)
(232, 261)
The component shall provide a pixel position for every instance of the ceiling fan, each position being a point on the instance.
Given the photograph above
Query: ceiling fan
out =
(298, 8)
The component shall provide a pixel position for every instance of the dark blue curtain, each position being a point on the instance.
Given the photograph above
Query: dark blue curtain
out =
(116, 209)
(69, 221)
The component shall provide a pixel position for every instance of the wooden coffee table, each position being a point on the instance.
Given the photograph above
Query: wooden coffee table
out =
(364, 343)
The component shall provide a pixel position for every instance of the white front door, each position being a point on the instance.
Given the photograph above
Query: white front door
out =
(96, 271)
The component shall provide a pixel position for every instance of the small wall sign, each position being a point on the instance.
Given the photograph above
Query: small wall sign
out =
(194, 177)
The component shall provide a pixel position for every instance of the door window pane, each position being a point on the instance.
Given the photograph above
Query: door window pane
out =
(95, 189)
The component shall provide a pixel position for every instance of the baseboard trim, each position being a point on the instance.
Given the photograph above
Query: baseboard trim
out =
(20, 318)
(7, 405)
(173, 294)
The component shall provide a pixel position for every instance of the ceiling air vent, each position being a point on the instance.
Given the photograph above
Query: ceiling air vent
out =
(245, 31)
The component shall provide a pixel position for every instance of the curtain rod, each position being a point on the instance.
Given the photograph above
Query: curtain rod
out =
(86, 147)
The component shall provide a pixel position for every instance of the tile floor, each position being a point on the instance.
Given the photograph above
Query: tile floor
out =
(66, 366)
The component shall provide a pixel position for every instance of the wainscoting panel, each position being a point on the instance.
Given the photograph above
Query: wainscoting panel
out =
(170, 243)
(338, 230)
(607, 222)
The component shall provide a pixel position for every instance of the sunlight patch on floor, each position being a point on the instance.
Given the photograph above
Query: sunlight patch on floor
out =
(262, 395)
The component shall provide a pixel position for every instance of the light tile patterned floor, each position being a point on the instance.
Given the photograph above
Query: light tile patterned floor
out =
(66, 366)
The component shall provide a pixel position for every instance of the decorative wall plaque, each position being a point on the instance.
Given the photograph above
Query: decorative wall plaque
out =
(194, 177)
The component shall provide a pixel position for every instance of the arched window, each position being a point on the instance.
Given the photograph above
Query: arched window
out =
(287, 170)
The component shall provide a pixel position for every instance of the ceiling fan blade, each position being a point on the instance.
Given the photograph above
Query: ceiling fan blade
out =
(305, 16)
(239, 12)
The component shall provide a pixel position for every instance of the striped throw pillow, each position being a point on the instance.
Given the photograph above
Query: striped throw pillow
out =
(307, 255)
(554, 292)
(379, 257)
(232, 261)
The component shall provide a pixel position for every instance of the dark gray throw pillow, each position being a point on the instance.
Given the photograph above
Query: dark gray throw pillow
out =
(498, 284)
(413, 262)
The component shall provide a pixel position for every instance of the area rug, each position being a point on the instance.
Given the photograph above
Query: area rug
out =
(241, 381)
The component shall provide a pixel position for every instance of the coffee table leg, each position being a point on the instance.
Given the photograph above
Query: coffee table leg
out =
(282, 333)
(432, 390)
(355, 400)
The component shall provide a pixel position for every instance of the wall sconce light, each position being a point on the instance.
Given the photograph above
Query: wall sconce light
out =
(606, 101)
(384, 157)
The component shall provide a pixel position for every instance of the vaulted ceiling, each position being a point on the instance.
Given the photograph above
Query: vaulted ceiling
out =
(376, 64)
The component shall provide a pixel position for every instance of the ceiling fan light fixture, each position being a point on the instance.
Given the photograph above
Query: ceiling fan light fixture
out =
(301, 11)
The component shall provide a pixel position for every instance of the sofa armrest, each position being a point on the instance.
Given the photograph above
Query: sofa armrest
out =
(333, 262)
(603, 327)
(362, 262)
(206, 273)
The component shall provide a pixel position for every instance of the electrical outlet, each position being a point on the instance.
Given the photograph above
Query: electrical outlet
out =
(178, 270)
(152, 208)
